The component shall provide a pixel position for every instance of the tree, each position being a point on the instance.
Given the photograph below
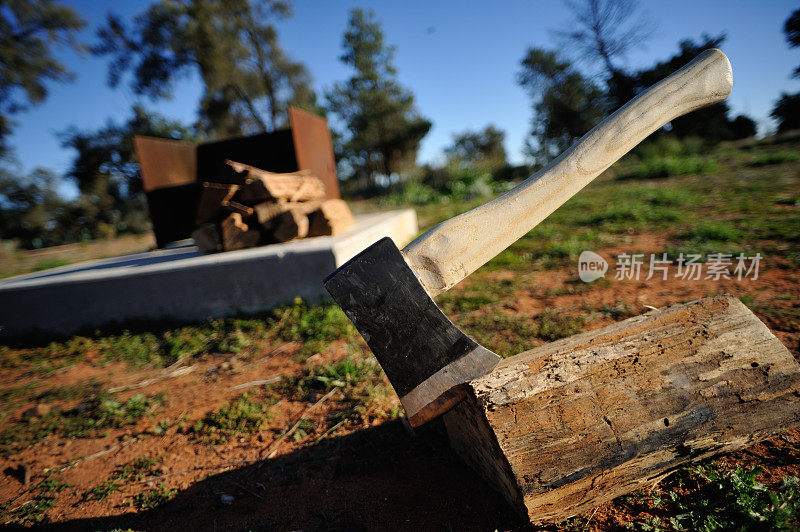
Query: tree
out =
(787, 108)
(383, 128)
(106, 173)
(479, 148)
(29, 32)
(604, 31)
(31, 211)
(248, 79)
(566, 105)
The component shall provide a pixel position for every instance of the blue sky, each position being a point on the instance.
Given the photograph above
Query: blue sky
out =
(459, 58)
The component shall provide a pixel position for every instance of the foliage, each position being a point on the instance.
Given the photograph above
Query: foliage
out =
(566, 105)
(314, 326)
(85, 420)
(31, 211)
(248, 79)
(787, 112)
(482, 150)
(246, 414)
(135, 471)
(106, 172)
(153, 498)
(383, 129)
(710, 498)
(35, 510)
(602, 31)
(30, 31)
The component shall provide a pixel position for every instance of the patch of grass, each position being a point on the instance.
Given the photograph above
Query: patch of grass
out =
(245, 415)
(776, 157)
(34, 511)
(315, 327)
(711, 498)
(508, 334)
(345, 373)
(147, 500)
(670, 165)
(87, 419)
(137, 470)
(48, 264)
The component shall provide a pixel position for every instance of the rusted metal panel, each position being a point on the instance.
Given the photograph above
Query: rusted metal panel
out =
(313, 148)
(165, 162)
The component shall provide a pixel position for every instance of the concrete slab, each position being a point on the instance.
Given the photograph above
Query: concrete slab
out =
(184, 284)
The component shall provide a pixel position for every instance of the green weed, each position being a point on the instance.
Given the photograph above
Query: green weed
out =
(315, 327)
(147, 500)
(778, 157)
(34, 511)
(137, 470)
(87, 419)
(709, 498)
(245, 415)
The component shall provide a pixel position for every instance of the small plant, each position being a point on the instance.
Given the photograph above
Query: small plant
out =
(35, 510)
(85, 420)
(147, 500)
(137, 470)
(778, 157)
(313, 326)
(710, 498)
(245, 415)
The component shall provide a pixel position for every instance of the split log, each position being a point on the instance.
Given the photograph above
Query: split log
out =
(207, 238)
(289, 225)
(261, 185)
(236, 234)
(331, 218)
(574, 423)
(268, 211)
(212, 198)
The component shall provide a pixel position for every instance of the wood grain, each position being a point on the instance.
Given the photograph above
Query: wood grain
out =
(577, 422)
(455, 248)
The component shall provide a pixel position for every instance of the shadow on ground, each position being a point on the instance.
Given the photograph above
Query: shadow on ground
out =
(381, 478)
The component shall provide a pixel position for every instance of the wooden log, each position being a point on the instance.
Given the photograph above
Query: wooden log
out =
(289, 225)
(269, 210)
(236, 234)
(261, 185)
(207, 238)
(331, 218)
(574, 423)
(212, 198)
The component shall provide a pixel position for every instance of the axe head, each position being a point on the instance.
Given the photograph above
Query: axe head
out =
(426, 358)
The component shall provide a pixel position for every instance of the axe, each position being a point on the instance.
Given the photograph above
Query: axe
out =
(388, 293)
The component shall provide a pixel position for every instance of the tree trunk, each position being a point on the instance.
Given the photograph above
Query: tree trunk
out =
(577, 422)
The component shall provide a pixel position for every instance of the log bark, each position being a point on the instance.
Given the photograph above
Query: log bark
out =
(207, 238)
(331, 218)
(212, 198)
(577, 422)
(289, 225)
(236, 234)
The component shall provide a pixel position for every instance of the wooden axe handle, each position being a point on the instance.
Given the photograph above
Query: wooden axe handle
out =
(447, 253)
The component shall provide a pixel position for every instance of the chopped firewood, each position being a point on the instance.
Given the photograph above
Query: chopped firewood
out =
(212, 198)
(288, 225)
(233, 206)
(269, 210)
(331, 218)
(261, 185)
(236, 234)
(207, 238)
